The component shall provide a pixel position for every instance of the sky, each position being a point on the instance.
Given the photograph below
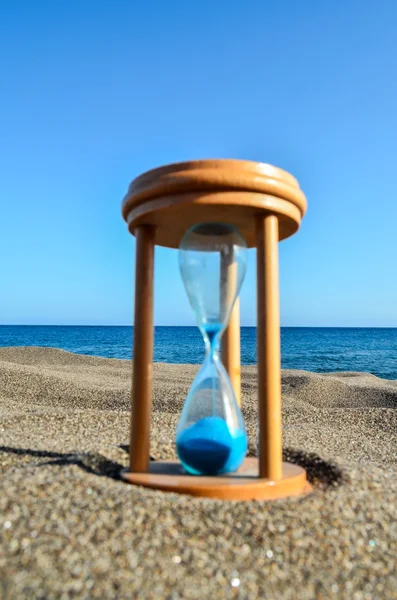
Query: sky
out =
(94, 92)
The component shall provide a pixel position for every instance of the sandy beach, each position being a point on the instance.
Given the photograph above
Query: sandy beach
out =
(70, 528)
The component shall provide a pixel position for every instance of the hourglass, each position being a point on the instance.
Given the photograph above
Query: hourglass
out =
(211, 210)
(211, 437)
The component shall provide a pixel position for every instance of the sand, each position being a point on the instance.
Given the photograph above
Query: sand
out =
(69, 528)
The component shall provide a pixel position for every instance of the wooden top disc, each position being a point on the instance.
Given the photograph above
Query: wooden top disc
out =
(177, 196)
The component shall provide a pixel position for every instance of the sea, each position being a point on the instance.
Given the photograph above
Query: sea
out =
(318, 349)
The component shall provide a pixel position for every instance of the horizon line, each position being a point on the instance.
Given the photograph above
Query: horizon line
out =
(196, 327)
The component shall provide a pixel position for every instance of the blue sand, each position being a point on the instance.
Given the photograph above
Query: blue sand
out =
(209, 447)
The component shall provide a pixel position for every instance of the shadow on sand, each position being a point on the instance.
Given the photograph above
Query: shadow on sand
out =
(321, 473)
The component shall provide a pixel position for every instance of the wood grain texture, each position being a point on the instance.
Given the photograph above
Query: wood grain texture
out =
(245, 484)
(231, 337)
(268, 349)
(231, 351)
(177, 196)
(141, 401)
(214, 175)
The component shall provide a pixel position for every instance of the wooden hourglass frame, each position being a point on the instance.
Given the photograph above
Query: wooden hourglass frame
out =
(266, 205)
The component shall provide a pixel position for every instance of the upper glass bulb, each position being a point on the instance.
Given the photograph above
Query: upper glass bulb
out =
(212, 261)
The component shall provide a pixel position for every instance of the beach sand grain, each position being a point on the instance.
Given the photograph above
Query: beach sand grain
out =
(69, 528)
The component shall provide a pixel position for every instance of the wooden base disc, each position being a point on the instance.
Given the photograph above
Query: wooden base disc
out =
(169, 476)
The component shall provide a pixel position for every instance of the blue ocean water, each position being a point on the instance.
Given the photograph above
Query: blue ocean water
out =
(313, 349)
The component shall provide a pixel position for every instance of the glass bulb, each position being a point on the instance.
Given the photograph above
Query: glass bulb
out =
(211, 437)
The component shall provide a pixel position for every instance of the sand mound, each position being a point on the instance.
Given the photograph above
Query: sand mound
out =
(70, 528)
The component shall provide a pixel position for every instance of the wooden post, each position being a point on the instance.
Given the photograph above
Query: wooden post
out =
(143, 350)
(231, 336)
(231, 350)
(268, 346)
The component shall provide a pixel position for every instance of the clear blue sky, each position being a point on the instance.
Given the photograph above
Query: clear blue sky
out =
(93, 92)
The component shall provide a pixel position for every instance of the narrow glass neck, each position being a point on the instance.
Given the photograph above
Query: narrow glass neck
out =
(212, 340)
